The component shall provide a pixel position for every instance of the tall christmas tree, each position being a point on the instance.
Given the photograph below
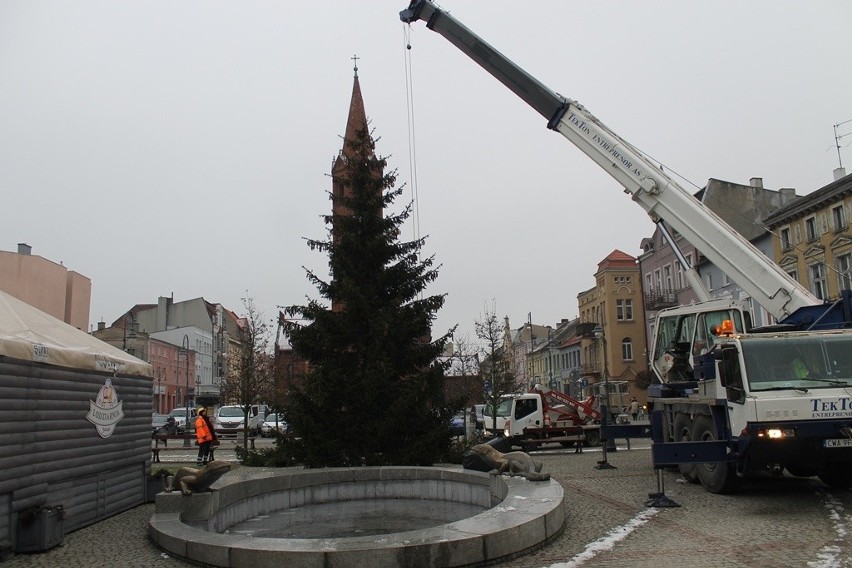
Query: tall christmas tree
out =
(373, 394)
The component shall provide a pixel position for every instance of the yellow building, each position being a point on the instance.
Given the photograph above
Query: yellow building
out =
(612, 326)
(811, 239)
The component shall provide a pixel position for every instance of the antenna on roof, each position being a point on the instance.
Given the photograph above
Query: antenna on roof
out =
(840, 171)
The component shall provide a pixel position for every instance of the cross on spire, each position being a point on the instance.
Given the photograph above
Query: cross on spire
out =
(355, 58)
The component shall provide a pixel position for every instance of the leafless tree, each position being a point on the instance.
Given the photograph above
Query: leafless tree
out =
(250, 375)
(498, 377)
(464, 361)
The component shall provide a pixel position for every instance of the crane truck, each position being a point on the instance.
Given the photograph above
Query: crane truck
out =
(546, 416)
(729, 400)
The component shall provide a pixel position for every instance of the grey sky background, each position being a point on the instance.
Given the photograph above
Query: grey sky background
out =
(184, 147)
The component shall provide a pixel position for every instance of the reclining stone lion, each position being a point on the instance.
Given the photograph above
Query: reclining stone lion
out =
(513, 463)
(195, 480)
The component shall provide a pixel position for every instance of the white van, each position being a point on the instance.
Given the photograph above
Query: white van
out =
(230, 420)
(179, 414)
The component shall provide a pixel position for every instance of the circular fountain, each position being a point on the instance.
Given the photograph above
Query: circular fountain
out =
(388, 516)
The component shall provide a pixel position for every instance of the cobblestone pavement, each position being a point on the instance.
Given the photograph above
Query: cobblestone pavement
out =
(783, 522)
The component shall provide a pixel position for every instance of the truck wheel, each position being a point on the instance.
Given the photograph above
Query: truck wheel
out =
(593, 438)
(837, 476)
(683, 433)
(716, 477)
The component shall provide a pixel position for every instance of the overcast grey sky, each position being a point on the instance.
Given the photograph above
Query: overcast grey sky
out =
(184, 147)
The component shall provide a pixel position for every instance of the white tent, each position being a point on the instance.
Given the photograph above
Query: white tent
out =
(31, 335)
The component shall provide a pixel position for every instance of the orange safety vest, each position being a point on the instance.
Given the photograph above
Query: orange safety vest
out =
(202, 432)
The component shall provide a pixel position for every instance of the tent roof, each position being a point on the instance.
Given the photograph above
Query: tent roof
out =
(32, 335)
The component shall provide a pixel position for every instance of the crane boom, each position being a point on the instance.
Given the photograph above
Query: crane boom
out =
(658, 194)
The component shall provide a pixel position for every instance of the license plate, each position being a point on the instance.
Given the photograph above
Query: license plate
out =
(840, 443)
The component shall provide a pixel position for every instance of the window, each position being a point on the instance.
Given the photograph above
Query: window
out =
(525, 407)
(785, 239)
(817, 272)
(627, 349)
(810, 228)
(657, 282)
(667, 276)
(725, 279)
(624, 310)
(844, 271)
(709, 281)
(648, 285)
(839, 218)
(679, 275)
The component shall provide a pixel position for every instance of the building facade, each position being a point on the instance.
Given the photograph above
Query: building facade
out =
(555, 359)
(50, 287)
(519, 346)
(214, 339)
(612, 327)
(811, 239)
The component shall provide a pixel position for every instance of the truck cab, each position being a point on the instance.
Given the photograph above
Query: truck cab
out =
(685, 335)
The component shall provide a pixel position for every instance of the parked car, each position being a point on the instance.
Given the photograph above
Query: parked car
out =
(457, 425)
(269, 425)
(162, 425)
(179, 415)
(230, 419)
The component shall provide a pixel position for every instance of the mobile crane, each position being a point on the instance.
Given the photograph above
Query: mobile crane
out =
(732, 404)
(545, 416)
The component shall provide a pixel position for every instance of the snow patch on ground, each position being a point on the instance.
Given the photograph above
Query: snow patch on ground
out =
(609, 541)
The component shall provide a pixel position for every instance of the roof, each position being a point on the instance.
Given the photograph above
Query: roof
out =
(30, 334)
(743, 207)
(356, 121)
(830, 193)
(617, 259)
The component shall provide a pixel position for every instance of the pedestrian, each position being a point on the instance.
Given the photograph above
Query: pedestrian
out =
(205, 435)
(634, 408)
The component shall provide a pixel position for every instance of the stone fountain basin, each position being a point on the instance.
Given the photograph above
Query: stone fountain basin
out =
(519, 516)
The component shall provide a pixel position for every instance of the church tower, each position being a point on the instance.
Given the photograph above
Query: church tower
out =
(356, 122)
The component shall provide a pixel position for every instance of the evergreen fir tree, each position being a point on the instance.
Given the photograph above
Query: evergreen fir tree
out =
(374, 391)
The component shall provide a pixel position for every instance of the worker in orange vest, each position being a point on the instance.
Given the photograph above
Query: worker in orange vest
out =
(205, 435)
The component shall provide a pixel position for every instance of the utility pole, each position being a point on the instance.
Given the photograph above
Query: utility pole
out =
(185, 349)
(532, 346)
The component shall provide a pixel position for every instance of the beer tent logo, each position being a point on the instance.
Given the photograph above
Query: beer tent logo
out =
(106, 411)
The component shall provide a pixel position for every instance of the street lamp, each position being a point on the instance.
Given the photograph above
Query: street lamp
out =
(185, 350)
(159, 389)
(604, 464)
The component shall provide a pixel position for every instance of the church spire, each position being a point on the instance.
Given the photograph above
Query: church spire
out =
(356, 122)
(357, 119)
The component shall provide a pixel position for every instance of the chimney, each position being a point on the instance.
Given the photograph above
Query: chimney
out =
(756, 182)
(788, 194)
(838, 173)
(24, 248)
(101, 325)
